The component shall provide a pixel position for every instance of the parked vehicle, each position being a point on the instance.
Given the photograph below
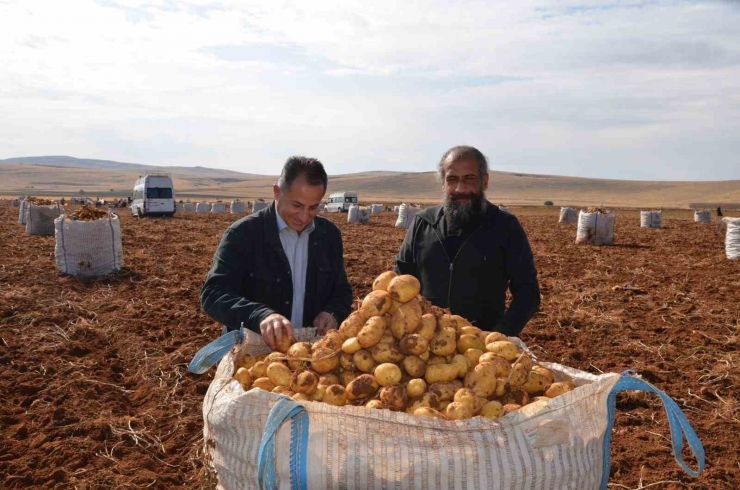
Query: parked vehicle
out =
(154, 195)
(339, 202)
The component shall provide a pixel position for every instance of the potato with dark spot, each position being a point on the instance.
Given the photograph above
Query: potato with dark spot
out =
(382, 282)
(445, 391)
(414, 366)
(492, 410)
(376, 303)
(458, 411)
(406, 319)
(443, 344)
(413, 345)
(536, 383)
(346, 377)
(482, 380)
(394, 397)
(335, 395)
(345, 361)
(299, 355)
(469, 399)
(469, 341)
(363, 386)
(352, 325)
(263, 384)
(545, 372)
(473, 356)
(501, 366)
(387, 352)
(518, 375)
(375, 404)
(328, 379)
(324, 360)
(428, 326)
(446, 321)
(404, 288)
(428, 399)
(503, 348)
(304, 381)
(363, 360)
(517, 396)
(371, 332)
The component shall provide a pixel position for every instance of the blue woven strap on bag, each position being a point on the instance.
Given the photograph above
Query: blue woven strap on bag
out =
(211, 354)
(285, 409)
(677, 422)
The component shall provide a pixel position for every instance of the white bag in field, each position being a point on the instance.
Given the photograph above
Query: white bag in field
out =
(179, 207)
(568, 215)
(259, 439)
(651, 219)
(396, 208)
(376, 208)
(189, 207)
(203, 207)
(218, 207)
(22, 212)
(732, 239)
(353, 214)
(363, 214)
(703, 216)
(237, 207)
(258, 206)
(406, 215)
(40, 219)
(595, 228)
(88, 248)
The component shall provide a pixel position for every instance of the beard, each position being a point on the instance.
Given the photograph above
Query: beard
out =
(460, 215)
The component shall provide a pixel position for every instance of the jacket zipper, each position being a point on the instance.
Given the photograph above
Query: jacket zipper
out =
(452, 261)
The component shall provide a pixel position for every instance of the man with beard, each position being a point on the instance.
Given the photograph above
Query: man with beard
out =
(467, 252)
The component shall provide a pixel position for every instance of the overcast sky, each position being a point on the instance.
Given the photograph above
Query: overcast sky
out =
(619, 89)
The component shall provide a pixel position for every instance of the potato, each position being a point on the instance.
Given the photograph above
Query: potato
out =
(428, 326)
(502, 386)
(263, 383)
(376, 303)
(406, 319)
(413, 345)
(395, 305)
(469, 399)
(243, 377)
(525, 361)
(298, 354)
(371, 332)
(434, 359)
(428, 399)
(276, 357)
(335, 395)
(332, 339)
(461, 362)
(328, 379)
(545, 399)
(500, 365)
(559, 388)
(425, 356)
(279, 374)
(283, 390)
(304, 381)
(441, 372)
(363, 386)
(495, 337)
(536, 382)
(545, 372)
(443, 344)
(503, 348)
(259, 370)
(458, 411)
(245, 361)
(461, 322)
(447, 321)
(414, 366)
(387, 337)
(445, 391)
(352, 325)
(318, 395)
(518, 375)
(387, 374)
(510, 407)
(516, 395)
(346, 362)
(471, 330)
(443, 405)
(364, 361)
(482, 380)
(284, 344)
(346, 377)
(375, 404)
(394, 397)
(492, 410)
(324, 360)
(469, 341)
(382, 282)
(385, 352)
(416, 388)
(404, 288)
(473, 356)
(429, 412)
(352, 345)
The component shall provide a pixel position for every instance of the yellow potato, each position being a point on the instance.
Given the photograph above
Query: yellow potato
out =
(376, 303)
(259, 370)
(279, 374)
(346, 377)
(443, 405)
(518, 375)
(447, 321)
(404, 288)
(428, 326)
(495, 337)
(263, 384)
(441, 372)
(364, 361)
(416, 387)
(245, 361)
(425, 356)
(414, 366)
(510, 408)
(503, 348)
(458, 411)
(394, 397)
(445, 390)
(502, 386)
(413, 344)
(473, 356)
(471, 330)
(283, 344)
(492, 410)
(328, 379)
(302, 397)
(387, 374)
(352, 325)
(460, 322)
(375, 404)
(346, 362)
(298, 354)
(500, 365)
(434, 359)
(406, 319)
(283, 390)
(559, 388)
(332, 339)
(243, 377)
(462, 363)
(429, 412)
(428, 399)
(382, 282)
(351, 345)
(525, 361)
(517, 396)
(482, 380)
(363, 386)
(387, 337)
(386, 352)
(318, 395)
(545, 372)
(443, 344)
(324, 360)
(536, 383)
(304, 382)
(541, 398)
(395, 305)
(469, 341)
(371, 332)
(275, 357)
(335, 395)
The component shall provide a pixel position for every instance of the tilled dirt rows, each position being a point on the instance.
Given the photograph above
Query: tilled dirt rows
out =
(95, 391)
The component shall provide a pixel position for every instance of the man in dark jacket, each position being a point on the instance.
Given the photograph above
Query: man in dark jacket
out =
(282, 267)
(467, 252)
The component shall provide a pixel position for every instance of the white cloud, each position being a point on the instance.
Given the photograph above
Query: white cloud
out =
(630, 89)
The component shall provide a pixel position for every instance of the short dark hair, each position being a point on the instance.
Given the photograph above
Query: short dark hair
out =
(310, 168)
(459, 153)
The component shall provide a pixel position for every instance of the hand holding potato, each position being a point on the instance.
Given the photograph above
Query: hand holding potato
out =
(277, 332)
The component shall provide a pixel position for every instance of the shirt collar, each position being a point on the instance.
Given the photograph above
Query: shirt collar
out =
(281, 225)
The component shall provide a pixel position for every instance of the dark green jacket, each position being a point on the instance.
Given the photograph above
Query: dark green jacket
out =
(250, 278)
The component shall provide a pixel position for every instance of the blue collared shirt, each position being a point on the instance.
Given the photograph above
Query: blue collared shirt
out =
(295, 247)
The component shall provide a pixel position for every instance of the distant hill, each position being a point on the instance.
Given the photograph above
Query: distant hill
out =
(62, 175)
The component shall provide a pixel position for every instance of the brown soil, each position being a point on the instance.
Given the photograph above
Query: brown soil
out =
(96, 393)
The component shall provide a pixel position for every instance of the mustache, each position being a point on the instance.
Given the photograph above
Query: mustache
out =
(468, 195)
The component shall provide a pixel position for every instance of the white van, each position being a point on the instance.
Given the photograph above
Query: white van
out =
(154, 195)
(339, 202)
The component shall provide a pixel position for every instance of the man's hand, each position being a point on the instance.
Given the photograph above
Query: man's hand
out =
(324, 322)
(274, 328)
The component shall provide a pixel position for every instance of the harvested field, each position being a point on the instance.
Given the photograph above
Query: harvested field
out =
(97, 395)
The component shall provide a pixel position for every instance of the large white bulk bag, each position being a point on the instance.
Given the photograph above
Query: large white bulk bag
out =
(236, 207)
(353, 214)
(396, 208)
(259, 206)
(595, 228)
(179, 207)
(218, 207)
(404, 219)
(189, 207)
(376, 208)
(703, 216)
(88, 248)
(40, 219)
(23, 212)
(651, 219)
(568, 215)
(732, 239)
(363, 215)
(259, 439)
(202, 207)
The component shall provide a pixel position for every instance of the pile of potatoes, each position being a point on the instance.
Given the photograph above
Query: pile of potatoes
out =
(396, 352)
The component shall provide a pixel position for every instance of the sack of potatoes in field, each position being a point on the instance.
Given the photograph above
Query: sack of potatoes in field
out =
(396, 352)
